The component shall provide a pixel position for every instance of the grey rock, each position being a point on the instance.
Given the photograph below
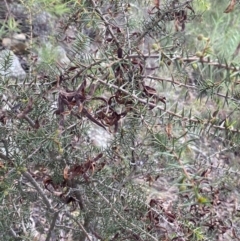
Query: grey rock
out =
(10, 65)
(99, 137)
(43, 25)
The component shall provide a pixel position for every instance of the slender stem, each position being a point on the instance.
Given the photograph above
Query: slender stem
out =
(55, 217)
(8, 9)
(38, 188)
(80, 226)
(98, 10)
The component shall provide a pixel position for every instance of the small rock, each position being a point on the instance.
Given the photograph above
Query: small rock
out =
(19, 37)
(62, 60)
(17, 44)
(6, 42)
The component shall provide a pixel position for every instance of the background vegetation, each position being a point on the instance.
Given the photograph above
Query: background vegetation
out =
(123, 124)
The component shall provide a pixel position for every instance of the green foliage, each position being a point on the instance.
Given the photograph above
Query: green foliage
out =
(202, 5)
(56, 7)
(219, 27)
(6, 61)
(134, 136)
(12, 25)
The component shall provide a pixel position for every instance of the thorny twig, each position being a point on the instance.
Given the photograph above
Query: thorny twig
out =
(184, 118)
(205, 60)
(160, 18)
(106, 23)
(26, 117)
(180, 84)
